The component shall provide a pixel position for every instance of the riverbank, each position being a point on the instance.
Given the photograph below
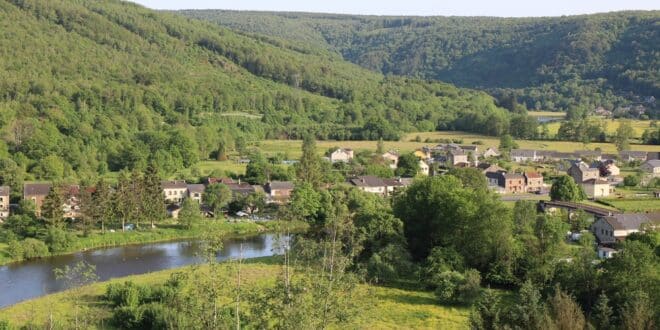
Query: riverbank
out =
(380, 307)
(165, 232)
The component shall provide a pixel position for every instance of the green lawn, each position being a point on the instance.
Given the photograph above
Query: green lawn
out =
(381, 307)
(164, 233)
(636, 205)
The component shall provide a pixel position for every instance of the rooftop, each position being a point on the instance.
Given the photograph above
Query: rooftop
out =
(281, 185)
(36, 189)
(196, 188)
(367, 181)
(632, 221)
(174, 184)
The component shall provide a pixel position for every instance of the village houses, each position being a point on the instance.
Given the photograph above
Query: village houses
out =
(615, 228)
(341, 155)
(512, 182)
(279, 192)
(195, 192)
(455, 157)
(651, 167)
(4, 202)
(391, 158)
(525, 155)
(36, 192)
(424, 168)
(533, 181)
(175, 191)
(491, 152)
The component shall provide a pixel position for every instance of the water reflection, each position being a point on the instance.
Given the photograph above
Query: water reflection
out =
(34, 278)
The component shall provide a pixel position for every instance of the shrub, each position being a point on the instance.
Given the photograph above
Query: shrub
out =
(34, 248)
(455, 287)
(154, 316)
(58, 240)
(15, 249)
(632, 180)
(4, 325)
(127, 317)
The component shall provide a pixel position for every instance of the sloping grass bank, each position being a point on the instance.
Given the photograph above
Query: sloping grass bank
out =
(381, 307)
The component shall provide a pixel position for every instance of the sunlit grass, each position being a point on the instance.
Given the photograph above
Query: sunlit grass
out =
(380, 307)
(612, 124)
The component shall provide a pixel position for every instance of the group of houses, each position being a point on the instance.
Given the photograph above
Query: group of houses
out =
(390, 157)
(174, 192)
(538, 156)
(503, 182)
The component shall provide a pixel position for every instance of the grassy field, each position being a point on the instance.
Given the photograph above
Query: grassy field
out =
(612, 124)
(635, 205)
(381, 307)
(163, 233)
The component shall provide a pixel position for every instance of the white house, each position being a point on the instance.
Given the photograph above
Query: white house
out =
(424, 168)
(391, 158)
(596, 188)
(491, 152)
(605, 252)
(341, 155)
(175, 191)
(4, 202)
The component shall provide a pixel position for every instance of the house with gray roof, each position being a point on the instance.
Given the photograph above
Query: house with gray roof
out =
(524, 155)
(617, 227)
(369, 183)
(651, 167)
(629, 155)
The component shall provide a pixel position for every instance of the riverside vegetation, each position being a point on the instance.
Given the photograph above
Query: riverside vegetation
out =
(448, 234)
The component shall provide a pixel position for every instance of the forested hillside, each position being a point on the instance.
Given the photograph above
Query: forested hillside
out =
(605, 60)
(93, 86)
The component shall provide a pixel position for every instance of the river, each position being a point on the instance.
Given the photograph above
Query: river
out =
(34, 278)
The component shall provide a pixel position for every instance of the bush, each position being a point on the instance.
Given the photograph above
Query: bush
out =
(4, 325)
(389, 263)
(125, 294)
(127, 317)
(454, 287)
(15, 249)
(34, 248)
(154, 316)
(58, 240)
(632, 180)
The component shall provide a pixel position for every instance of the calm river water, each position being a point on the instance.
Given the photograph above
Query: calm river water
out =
(34, 278)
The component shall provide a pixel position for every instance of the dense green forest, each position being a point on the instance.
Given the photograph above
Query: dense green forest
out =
(607, 60)
(89, 87)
